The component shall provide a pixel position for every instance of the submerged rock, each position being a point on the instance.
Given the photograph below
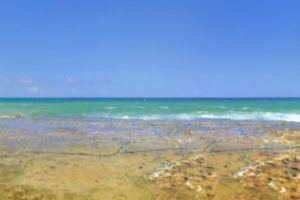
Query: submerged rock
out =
(279, 174)
(192, 173)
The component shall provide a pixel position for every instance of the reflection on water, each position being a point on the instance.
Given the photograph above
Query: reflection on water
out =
(84, 158)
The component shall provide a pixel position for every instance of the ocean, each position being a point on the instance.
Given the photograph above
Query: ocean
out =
(278, 109)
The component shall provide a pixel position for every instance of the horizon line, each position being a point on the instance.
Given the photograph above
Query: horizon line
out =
(90, 97)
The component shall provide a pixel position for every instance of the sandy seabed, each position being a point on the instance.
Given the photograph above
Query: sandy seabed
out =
(156, 160)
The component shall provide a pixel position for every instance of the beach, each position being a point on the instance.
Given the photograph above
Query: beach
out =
(90, 158)
(83, 157)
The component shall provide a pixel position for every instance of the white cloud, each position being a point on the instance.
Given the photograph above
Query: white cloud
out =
(26, 81)
(34, 89)
(70, 80)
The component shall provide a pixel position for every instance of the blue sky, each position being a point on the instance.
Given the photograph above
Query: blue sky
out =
(151, 48)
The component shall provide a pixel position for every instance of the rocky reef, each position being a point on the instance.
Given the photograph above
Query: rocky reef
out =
(155, 160)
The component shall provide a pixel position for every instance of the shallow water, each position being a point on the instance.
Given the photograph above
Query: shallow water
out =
(88, 158)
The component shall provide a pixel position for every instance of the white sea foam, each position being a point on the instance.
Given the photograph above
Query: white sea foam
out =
(292, 117)
(164, 107)
(271, 116)
(125, 117)
(109, 108)
(12, 116)
(7, 117)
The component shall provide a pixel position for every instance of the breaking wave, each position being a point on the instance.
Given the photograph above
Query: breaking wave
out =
(268, 116)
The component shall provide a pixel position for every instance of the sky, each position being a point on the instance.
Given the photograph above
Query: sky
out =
(150, 48)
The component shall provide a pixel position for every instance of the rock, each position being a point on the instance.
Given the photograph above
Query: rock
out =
(274, 186)
(282, 190)
(199, 189)
(190, 185)
(187, 132)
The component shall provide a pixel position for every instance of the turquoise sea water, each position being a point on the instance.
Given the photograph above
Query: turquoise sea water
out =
(285, 109)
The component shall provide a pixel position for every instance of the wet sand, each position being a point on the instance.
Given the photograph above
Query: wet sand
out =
(155, 160)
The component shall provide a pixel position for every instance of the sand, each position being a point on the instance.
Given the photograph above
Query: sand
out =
(142, 160)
